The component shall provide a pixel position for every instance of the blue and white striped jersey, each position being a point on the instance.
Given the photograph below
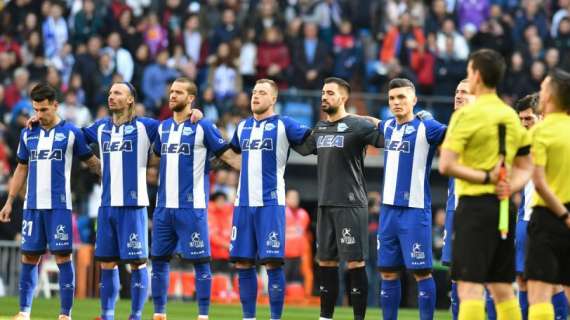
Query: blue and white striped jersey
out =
(49, 155)
(124, 154)
(408, 154)
(452, 198)
(525, 208)
(184, 150)
(264, 146)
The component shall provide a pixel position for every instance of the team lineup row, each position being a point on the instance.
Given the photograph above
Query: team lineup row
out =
(182, 146)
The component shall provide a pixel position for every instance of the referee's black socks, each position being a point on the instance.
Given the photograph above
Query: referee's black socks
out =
(329, 290)
(358, 291)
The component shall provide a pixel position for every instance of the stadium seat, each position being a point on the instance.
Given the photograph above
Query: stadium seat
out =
(300, 111)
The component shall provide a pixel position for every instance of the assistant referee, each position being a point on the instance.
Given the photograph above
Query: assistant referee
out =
(548, 249)
(470, 153)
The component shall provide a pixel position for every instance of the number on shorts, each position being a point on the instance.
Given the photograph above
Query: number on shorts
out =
(27, 226)
(234, 233)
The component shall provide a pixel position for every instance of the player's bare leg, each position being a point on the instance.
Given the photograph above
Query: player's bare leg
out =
(247, 277)
(539, 298)
(506, 304)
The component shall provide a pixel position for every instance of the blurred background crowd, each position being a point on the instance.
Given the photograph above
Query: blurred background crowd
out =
(82, 46)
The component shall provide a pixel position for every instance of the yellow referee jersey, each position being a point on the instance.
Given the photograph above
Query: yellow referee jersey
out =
(473, 133)
(551, 150)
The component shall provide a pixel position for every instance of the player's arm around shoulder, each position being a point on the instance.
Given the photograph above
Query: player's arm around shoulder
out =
(300, 136)
(218, 145)
(370, 130)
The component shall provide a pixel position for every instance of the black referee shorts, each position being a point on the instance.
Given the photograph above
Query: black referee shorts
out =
(342, 233)
(548, 248)
(479, 254)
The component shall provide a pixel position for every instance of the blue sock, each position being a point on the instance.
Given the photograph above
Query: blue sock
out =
(66, 286)
(390, 296)
(28, 282)
(276, 289)
(490, 306)
(248, 291)
(109, 291)
(203, 287)
(426, 298)
(139, 291)
(454, 301)
(159, 285)
(560, 306)
(523, 302)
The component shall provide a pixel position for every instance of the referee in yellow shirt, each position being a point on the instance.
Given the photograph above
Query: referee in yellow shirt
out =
(548, 250)
(470, 152)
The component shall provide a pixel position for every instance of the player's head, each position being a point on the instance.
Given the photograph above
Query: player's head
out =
(181, 94)
(122, 98)
(463, 96)
(555, 92)
(292, 198)
(485, 69)
(263, 96)
(401, 97)
(335, 94)
(527, 107)
(44, 103)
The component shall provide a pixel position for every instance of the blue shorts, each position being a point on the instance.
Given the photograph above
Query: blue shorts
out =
(520, 245)
(122, 234)
(258, 233)
(447, 238)
(182, 231)
(404, 238)
(49, 228)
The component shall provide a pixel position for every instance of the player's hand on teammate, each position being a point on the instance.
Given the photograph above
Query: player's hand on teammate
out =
(424, 115)
(5, 213)
(196, 115)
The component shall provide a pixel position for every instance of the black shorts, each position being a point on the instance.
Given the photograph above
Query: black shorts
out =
(342, 233)
(479, 254)
(548, 248)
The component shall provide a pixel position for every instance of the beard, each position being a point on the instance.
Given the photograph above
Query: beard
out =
(329, 108)
(178, 107)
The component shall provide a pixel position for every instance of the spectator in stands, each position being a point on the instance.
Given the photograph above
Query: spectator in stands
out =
(328, 15)
(3, 108)
(121, 58)
(530, 14)
(297, 222)
(449, 69)
(38, 68)
(551, 59)
(220, 213)
(9, 44)
(248, 58)
(32, 47)
(71, 110)
(30, 25)
(195, 45)
(347, 51)
(517, 82)
(472, 12)
(208, 105)
(76, 86)
(155, 79)
(223, 76)
(273, 58)
(460, 50)
(87, 22)
(422, 64)
(18, 89)
(86, 65)
(537, 74)
(402, 41)
(63, 63)
(180, 62)
(267, 16)
(54, 30)
(371, 263)
(130, 36)
(535, 50)
(562, 42)
(154, 35)
(6, 63)
(563, 11)
(310, 59)
(492, 35)
(226, 31)
(172, 17)
(436, 17)
(437, 232)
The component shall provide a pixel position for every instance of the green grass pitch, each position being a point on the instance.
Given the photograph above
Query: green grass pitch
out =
(89, 309)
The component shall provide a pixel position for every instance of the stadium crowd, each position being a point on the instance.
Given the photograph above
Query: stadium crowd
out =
(81, 47)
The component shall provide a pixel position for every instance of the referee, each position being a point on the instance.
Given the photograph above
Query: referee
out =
(548, 250)
(470, 153)
(342, 220)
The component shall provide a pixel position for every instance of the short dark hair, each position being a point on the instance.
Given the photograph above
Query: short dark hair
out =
(490, 64)
(530, 101)
(340, 82)
(401, 83)
(43, 91)
(192, 89)
(560, 85)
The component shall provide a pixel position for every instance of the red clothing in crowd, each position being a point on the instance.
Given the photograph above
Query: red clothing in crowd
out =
(220, 228)
(297, 221)
(273, 53)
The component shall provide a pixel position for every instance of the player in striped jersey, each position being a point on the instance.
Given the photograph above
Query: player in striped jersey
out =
(258, 229)
(45, 156)
(183, 149)
(527, 108)
(124, 143)
(404, 233)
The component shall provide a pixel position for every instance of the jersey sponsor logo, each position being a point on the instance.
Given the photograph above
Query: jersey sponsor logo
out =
(342, 127)
(330, 141)
(257, 144)
(129, 129)
(55, 154)
(187, 131)
(417, 252)
(196, 241)
(118, 146)
(183, 148)
(60, 233)
(409, 130)
(398, 146)
(269, 127)
(59, 137)
(134, 242)
(32, 138)
(273, 240)
(347, 237)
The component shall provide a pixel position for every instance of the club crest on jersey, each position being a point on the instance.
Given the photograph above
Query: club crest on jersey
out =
(55, 154)
(269, 127)
(129, 129)
(417, 252)
(330, 141)
(196, 241)
(399, 146)
(342, 127)
(273, 240)
(257, 144)
(347, 237)
(60, 233)
(59, 137)
(117, 146)
(183, 148)
(409, 130)
(187, 131)
(134, 242)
